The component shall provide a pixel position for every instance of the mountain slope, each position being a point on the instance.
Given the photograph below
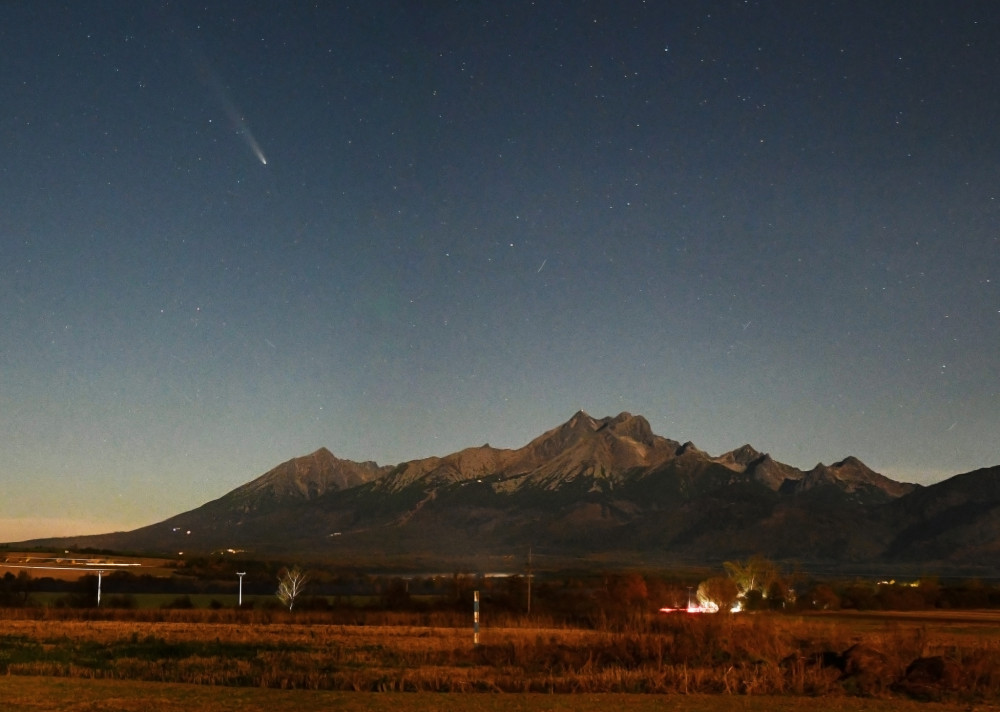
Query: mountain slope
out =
(957, 520)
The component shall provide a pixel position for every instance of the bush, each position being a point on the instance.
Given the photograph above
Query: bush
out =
(180, 603)
(820, 597)
(123, 601)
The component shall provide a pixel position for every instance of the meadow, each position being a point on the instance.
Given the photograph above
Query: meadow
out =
(42, 694)
(766, 660)
(369, 642)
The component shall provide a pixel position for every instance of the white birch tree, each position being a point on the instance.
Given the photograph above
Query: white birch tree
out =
(290, 584)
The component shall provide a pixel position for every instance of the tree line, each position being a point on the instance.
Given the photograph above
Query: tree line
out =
(754, 584)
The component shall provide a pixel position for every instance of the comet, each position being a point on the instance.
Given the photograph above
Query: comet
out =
(214, 83)
(241, 126)
(254, 146)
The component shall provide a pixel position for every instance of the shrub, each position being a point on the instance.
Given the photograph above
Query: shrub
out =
(180, 603)
(120, 600)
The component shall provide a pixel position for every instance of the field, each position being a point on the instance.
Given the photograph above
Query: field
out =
(43, 694)
(231, 659)
(175, 640)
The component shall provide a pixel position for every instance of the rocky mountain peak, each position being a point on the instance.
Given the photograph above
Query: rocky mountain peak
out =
(740, 458)
(307, 477)
(759, 466)
(631, 426)
(582, 420)
(552, 442)
(688, 448)
(602, 448)
(851, 475)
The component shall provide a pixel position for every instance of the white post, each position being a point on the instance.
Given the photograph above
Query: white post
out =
(475, 617)
(241, 574)
(99, 572)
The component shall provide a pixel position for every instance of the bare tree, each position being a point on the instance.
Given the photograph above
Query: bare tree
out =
(290, 584)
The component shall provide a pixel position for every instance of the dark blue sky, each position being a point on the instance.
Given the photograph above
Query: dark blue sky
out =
(232, 235)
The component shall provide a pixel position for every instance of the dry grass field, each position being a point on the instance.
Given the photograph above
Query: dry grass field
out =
(45, 694)
(220, 660)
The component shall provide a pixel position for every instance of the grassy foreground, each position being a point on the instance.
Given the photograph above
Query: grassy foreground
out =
(219, 660)
(46, 694)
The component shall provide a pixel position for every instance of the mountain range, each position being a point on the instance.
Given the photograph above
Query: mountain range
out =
(591, 490)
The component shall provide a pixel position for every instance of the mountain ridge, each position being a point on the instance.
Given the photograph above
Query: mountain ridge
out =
(590, 487)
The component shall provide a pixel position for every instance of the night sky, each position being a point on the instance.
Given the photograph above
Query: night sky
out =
(233, 233)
